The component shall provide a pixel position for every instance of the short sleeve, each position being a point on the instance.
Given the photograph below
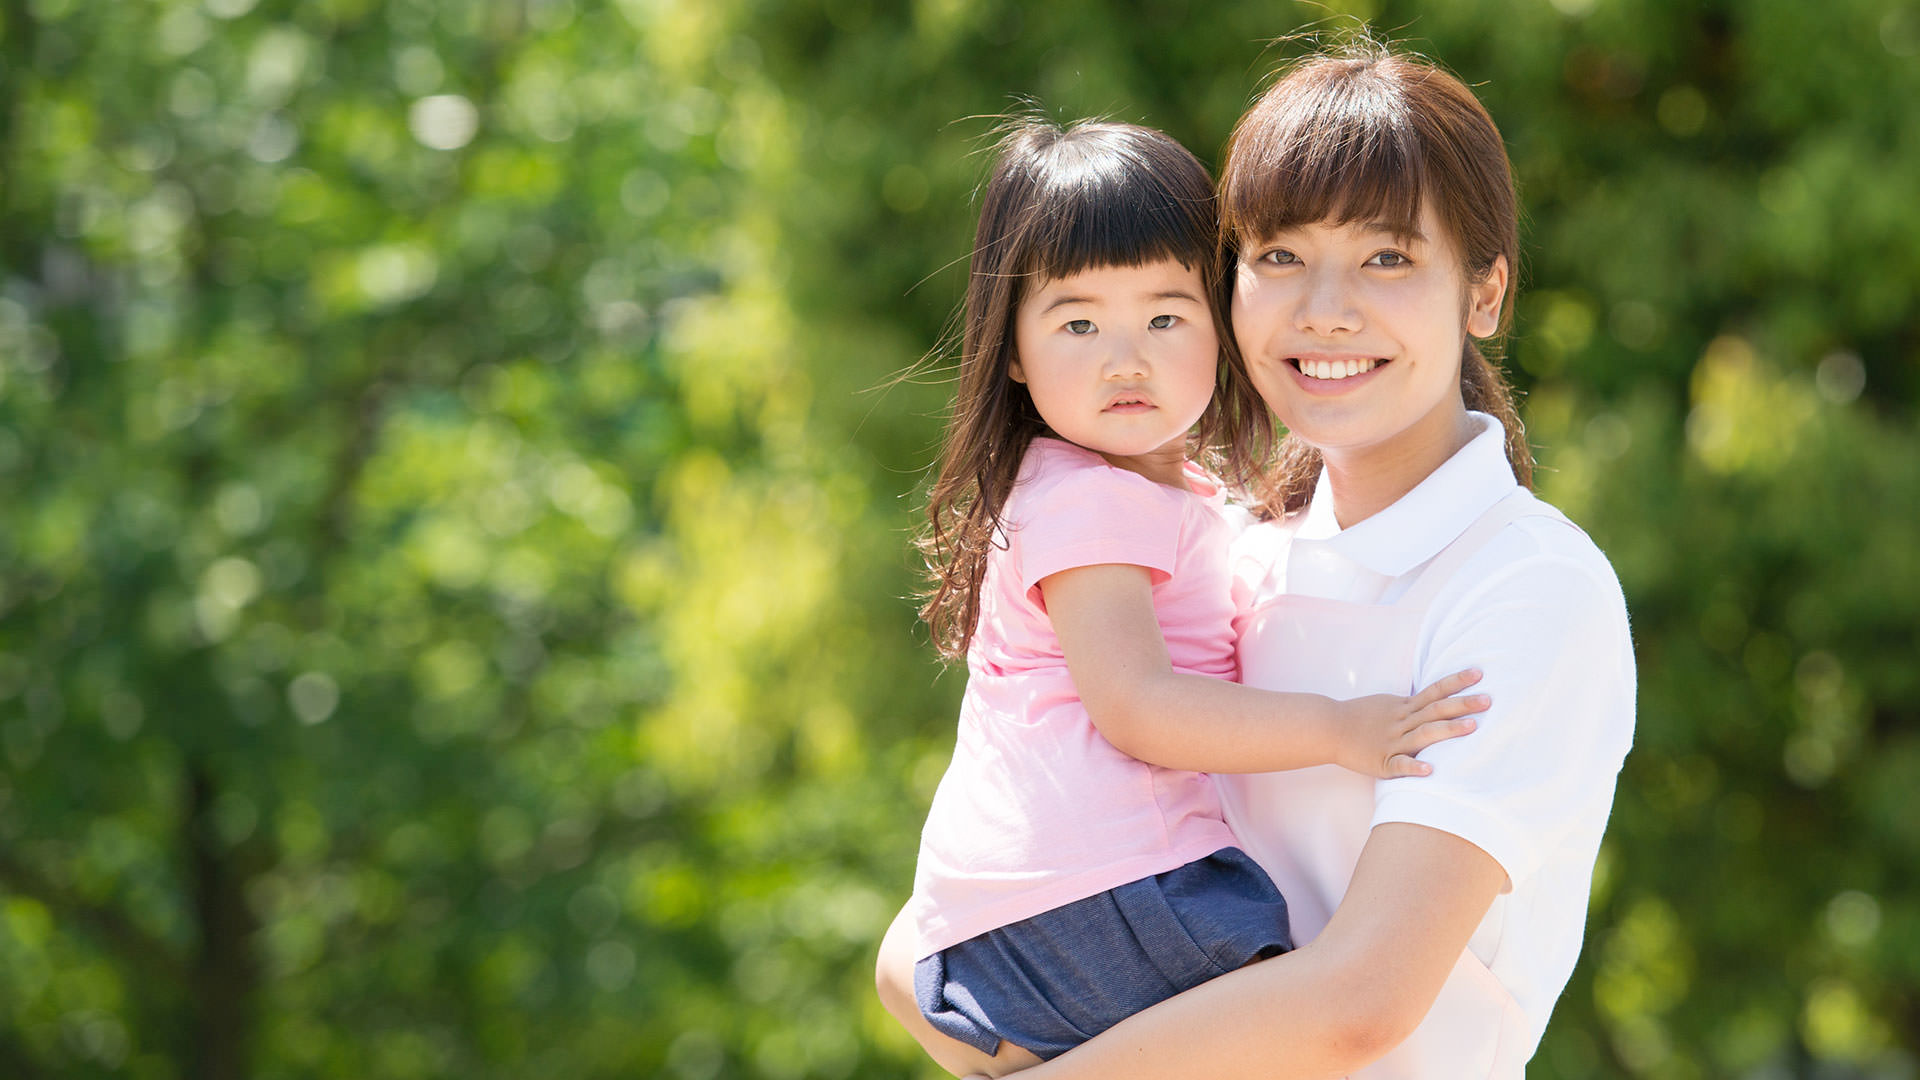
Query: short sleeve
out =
(1092, 514)
(1549, 632)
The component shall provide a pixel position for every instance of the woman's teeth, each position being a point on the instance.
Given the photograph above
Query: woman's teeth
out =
(1337, 369)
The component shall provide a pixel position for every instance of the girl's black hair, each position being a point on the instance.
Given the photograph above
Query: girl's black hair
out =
(1060, 201)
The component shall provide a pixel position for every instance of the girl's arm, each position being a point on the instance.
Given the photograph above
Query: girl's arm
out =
(1334, 1004)
(1104, 617)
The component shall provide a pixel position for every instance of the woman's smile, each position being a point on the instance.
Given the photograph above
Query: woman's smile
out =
(1335, 369)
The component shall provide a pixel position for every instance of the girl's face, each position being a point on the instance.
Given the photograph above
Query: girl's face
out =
(1353, 336)
(1120, 360)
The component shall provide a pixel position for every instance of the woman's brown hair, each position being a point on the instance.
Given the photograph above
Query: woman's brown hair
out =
(1363, 133)
(1060, 201)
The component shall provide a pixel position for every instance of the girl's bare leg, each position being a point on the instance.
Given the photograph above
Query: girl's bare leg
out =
(893, 977)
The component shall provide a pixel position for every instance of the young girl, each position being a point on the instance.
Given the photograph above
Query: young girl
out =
(1080, 565)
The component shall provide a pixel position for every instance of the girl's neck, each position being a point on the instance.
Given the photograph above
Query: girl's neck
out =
(1362, 482)
(1167, 465)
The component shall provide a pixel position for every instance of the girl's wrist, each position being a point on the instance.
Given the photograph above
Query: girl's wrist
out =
(1334, 733)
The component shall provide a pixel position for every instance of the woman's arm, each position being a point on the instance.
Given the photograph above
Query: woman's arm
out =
(1330, 1006)
(1104, 618)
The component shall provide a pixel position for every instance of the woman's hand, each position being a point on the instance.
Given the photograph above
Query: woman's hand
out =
(1382, 734)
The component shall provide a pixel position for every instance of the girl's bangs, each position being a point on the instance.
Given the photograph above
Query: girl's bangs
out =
(1093, 218)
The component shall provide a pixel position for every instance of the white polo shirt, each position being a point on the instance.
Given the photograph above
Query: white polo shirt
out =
(1537, 609)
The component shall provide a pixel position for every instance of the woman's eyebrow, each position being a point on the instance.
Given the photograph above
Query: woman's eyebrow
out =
(1408, 233)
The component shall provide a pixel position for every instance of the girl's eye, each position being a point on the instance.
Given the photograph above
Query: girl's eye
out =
(1280, 257)
(1390, 259)
(1080, 326)
(1163, 322)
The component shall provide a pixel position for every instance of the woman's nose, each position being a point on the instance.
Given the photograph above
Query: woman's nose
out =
(1326, 306)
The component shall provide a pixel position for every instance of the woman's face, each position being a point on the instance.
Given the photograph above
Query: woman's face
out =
(1353, 335)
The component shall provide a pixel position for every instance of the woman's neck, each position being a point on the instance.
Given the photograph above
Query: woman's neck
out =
(1363, 481)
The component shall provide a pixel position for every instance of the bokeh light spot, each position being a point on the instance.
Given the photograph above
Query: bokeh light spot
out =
(443, 121)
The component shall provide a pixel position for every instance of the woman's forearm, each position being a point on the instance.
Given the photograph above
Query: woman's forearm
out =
(1288, 1018)
(1331, 1006)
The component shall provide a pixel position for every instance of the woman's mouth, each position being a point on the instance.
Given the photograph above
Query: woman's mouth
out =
(1335, 369)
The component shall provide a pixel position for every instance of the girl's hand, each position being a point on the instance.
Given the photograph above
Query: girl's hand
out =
(1381, 734)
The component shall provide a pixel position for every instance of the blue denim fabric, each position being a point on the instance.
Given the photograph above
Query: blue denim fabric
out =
(1058, 979)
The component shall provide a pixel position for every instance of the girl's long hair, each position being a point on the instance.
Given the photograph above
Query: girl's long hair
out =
(1367, 134)
(1060, 201)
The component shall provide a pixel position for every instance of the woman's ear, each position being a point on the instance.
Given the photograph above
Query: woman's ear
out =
(1484, 297)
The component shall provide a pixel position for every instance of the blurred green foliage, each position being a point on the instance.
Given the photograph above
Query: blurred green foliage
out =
(453, 530)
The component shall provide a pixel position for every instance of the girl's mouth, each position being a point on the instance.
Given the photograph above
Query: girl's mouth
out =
(1335, 369)
(1129, 404)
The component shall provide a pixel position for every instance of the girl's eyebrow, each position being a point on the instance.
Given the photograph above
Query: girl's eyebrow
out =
(1171, 294)
(1063, 301)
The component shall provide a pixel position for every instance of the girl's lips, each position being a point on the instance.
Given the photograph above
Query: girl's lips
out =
(1130, 404)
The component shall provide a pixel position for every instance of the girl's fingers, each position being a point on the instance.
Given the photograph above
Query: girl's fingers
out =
(1438, 731)
(1404, 765)
(1445, 687)
(1450, 707)
(1418, 739)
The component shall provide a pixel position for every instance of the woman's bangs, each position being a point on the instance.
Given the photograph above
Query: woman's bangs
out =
(1353, 159)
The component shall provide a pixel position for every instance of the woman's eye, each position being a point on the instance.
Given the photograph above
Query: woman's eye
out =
(1163, 322)
(1390, 259)
(1280, 257)
(1080, 326)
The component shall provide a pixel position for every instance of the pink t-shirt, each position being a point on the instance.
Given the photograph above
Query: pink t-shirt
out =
(1038, 810)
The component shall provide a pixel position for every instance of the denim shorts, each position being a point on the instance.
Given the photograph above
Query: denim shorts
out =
(1058, 979)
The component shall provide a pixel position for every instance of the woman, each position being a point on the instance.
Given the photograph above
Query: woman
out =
(1370, 216)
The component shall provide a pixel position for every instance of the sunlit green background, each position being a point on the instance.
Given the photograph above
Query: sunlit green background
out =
(453, 524)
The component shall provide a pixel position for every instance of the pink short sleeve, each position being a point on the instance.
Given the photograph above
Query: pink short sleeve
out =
(1076, 513)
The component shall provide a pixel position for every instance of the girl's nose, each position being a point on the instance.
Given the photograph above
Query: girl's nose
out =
(1127, 361)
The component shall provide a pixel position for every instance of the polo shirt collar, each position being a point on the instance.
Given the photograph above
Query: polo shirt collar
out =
(1423, 521)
